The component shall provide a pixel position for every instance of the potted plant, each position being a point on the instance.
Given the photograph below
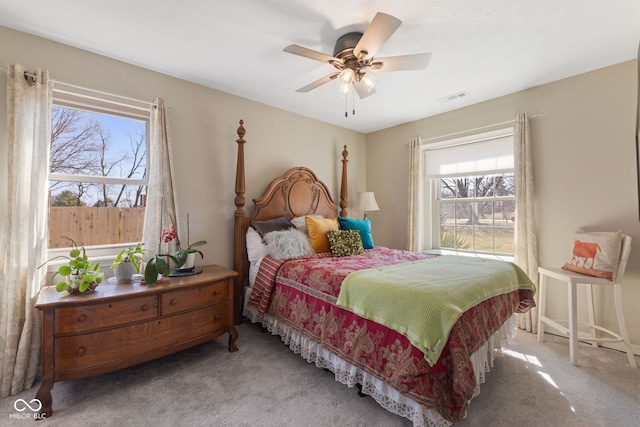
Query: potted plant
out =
(128, 262)
(183, 259)
(155, 267)
(81, 275)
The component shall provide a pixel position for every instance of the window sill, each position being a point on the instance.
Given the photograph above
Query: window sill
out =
(104, 254)
(508, 258)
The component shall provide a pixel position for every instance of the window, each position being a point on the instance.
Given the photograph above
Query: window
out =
(97, 175)
(472, 193)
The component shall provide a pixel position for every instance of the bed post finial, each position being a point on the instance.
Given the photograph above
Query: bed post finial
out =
(238, 256)
(344, 193)
(239, 201)
(241, 131)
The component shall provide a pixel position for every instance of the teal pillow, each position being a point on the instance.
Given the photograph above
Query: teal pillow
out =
(362, 225)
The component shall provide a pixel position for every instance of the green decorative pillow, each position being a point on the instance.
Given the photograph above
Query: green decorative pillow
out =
(345, 242)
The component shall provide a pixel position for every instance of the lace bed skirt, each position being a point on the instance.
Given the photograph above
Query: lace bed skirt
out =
(383, 393)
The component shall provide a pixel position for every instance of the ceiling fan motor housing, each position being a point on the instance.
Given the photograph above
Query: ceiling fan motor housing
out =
(345, 44)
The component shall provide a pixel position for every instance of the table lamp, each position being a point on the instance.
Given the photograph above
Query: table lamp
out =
(366, 203)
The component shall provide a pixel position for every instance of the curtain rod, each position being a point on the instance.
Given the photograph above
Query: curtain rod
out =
(33, 77)
(533, 116)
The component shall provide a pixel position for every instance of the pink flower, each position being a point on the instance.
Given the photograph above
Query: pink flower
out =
(168, 234)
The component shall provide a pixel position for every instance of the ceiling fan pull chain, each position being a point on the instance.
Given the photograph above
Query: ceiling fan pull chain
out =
(353, 104)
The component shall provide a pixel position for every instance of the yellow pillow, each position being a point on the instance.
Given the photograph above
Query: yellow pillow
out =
(318, 228)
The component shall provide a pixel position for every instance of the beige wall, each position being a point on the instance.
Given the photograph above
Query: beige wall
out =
(584, 160)
(203, 125)
(583, 149)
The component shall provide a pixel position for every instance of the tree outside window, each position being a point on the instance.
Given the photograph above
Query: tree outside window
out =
(97, 177)
(477, 213)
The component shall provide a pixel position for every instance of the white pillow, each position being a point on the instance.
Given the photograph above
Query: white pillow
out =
(290, 243)
(256, 249)
(253, 271)
(300, 223)
(595, 254)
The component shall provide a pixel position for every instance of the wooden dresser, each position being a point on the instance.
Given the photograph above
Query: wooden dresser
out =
(120, 325)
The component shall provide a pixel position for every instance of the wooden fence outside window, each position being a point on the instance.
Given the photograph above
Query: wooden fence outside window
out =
(89, 226)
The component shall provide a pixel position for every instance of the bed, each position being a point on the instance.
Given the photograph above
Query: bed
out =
(414, 354)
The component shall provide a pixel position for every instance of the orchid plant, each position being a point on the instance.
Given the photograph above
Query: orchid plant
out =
(158, 265)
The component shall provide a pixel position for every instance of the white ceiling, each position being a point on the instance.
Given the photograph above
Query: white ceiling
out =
(487, 48)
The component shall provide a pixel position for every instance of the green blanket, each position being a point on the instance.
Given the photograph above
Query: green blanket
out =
(423, 299)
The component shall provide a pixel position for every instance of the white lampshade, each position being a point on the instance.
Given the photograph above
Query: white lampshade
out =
(367, 202)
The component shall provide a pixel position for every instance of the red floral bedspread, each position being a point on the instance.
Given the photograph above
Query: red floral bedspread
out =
(303, 297)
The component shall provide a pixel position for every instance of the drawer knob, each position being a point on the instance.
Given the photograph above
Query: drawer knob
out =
(144, 307)
(217, 317)
(81, 351)
(173, 301)
(82, 318)
(216, 292)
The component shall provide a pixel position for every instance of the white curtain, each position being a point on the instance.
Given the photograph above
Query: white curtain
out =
(162, 200)
(23, 246)
(526, 254)
(415, 178)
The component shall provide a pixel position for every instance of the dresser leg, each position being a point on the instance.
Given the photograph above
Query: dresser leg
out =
(233, 336)
(44, 396)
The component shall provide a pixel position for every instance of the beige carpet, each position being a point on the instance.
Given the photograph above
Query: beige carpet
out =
(265, 384)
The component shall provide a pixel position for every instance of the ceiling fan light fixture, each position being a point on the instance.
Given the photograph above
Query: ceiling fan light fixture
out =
(369, 81)
(347, 75)
(345, 89)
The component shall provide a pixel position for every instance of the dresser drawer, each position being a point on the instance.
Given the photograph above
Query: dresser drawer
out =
(188, 299)
(76, 352)
(96, 316)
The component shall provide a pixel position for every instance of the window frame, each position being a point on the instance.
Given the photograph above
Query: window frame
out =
(101, 104)
(431, 198)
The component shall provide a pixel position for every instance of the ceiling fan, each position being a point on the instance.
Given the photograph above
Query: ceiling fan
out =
(354, 54)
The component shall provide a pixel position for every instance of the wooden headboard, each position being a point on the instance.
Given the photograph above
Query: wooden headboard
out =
(297, 192)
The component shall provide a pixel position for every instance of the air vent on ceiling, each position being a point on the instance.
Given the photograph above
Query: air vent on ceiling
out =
(453, 96)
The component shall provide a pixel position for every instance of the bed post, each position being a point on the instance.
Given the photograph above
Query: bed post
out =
(344, 193)
(238, 244)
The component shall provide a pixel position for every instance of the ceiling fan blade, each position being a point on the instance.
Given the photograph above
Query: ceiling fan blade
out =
(376, 34)
(319, 82)
(362, 90)
(312, 54)
(417, 61)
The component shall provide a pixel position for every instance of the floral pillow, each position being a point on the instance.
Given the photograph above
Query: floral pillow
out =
(345, 242)
(595, 254)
